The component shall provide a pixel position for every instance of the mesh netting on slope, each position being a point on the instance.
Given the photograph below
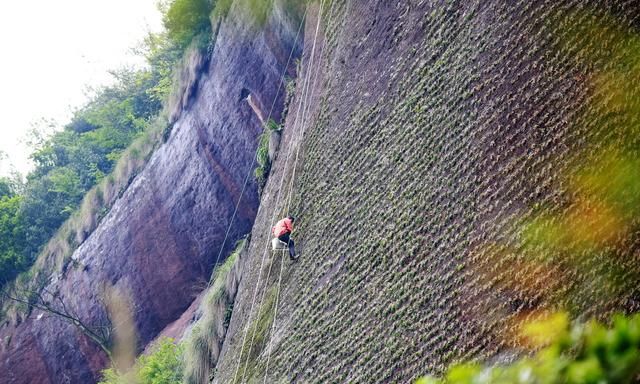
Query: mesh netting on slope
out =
(473, 166)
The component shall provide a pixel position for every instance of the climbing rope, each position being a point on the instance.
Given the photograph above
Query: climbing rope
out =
(248, 176)
(298, 120)
(278, 199)
(246, 331)
(300, 140)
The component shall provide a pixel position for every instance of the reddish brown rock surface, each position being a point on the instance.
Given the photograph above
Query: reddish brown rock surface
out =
(161, 238)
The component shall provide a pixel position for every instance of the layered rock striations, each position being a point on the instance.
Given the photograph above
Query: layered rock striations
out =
(159, 241)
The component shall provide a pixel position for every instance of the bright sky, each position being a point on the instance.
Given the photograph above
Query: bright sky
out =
(53, 50)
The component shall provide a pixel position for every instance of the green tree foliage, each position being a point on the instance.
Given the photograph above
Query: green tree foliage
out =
(586, 354)
(48, 201)
(8, 187)
(162, 366)
(185, 19)
(69, 162)
(12, 258)
(162, 55)
(72, 161)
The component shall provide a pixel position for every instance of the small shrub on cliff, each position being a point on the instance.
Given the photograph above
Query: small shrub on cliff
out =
(163, 366)
(262, 153)
(203, 345)
(588, 353)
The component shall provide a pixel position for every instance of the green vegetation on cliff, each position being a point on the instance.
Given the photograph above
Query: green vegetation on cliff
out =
(262, 153)
(164, 365)
(185, 19)
(204, 344)
(12, 235)
(192, 360)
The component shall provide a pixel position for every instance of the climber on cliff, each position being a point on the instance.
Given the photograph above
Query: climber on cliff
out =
(282, 230)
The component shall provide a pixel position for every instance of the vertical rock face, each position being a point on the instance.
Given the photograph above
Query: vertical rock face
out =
(442, 132)
(160, 240)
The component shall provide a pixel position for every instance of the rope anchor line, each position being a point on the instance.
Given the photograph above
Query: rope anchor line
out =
(297, 124)
(305, 117)
(257, 285)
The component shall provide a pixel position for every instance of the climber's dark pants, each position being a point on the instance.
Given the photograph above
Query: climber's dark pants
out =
(285, 238)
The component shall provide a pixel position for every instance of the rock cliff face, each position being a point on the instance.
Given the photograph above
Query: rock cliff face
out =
(436, 132)
(424, 140)
(161, 238)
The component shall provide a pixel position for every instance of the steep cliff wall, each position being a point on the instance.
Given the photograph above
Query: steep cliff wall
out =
(425, 139)
(160, 239)
(435, 131)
